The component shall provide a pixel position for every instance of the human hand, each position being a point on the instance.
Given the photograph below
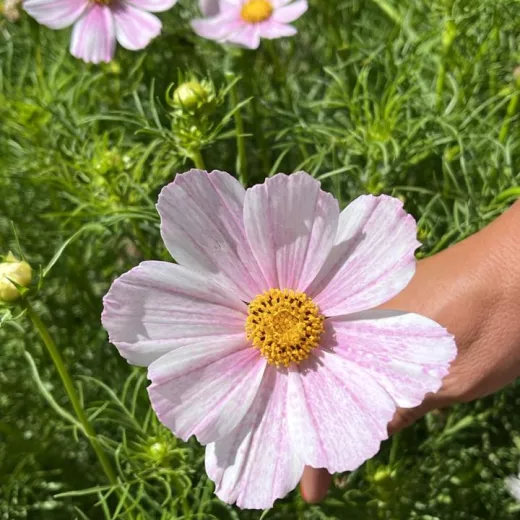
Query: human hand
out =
(472, 289)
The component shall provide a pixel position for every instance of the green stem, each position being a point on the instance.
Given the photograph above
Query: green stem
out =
(197, 158)
(511, 111)
(448, 37)
(394, 449)
(71, 392)
(441, 76)
(389, 11)
(241, 142)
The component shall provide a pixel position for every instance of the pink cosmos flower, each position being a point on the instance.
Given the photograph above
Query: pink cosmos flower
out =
(263, 340)
(99, 23)
(244, 22)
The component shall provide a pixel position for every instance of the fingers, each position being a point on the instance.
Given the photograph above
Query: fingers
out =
(314, 484)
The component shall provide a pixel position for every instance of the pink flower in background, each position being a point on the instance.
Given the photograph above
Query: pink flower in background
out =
(263, 340)
(98, 24)
(244, 22)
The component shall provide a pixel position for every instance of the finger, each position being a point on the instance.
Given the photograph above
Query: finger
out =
(314, 484)
(405, 417)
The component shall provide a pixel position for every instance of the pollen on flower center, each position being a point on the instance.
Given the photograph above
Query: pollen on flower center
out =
(285, 325)
(256, 11)
(103, 2)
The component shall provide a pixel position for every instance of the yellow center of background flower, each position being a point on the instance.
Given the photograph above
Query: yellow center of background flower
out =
(103, 2)
(285, 325)
(256, 11)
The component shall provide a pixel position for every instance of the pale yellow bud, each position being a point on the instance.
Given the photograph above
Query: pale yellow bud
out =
(10, 10)
(17, 271)
(190, 95)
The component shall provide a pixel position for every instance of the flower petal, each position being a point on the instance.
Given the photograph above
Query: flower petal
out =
(254, 465)
(158, 307)
(205, 390)
(372, 259)
(406, 353)
(154, 6)
(135, 28)
(290, 13)
(209, 7)
(247, 35)
(93, 37)
(55, 14)
(290, 224)
(272, 30)
(512, 485)
(202, 227)
(220, 26)
(337, 414)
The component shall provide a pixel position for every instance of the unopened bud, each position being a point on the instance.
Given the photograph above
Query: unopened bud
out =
(13, 270)
(382, 474)
(10, 10)
(190, 95)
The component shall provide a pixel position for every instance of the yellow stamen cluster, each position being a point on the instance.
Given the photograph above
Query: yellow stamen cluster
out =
(285, 325)
(103, 2)
(256, 11)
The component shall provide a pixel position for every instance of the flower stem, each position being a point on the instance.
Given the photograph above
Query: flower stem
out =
(511, 110)
(197, 158)
(71, 392)
(448, 37)
(241, 143)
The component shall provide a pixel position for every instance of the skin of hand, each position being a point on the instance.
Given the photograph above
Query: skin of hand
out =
(472, 289)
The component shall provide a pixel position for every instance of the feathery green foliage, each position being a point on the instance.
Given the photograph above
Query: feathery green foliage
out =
(413, 98)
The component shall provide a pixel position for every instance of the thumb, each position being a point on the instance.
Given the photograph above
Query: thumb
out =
(314, 484)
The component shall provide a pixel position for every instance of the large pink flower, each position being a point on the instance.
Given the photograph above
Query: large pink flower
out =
(244, 22)
(99, 23)
(263, 341)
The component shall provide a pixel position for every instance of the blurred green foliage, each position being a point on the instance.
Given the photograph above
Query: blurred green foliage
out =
(414, 98)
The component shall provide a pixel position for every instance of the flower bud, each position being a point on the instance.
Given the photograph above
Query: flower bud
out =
(382, 474)
(190, 95)
(19, 272)
(10, 9)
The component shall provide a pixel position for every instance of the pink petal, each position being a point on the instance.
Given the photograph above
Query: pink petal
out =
(135, 28)
(407, 354)
(336, 412)
(254, 465)
(290, 13)
(154, 6)
(291, 224)
(272, 30)
(93, 37)
(209, 7)
(220, 26)
(158, 307)
(55, 14)
(372, 259)
(247, 35)
(202, 226)
(205, 390)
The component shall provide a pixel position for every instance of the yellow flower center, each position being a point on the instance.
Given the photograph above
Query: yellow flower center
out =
(103, 2)
(256, 11)
(285, 325)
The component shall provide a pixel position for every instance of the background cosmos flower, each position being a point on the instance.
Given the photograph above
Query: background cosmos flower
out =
(512, 485)
(263, 341)
(99, 23)
(244, 22)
